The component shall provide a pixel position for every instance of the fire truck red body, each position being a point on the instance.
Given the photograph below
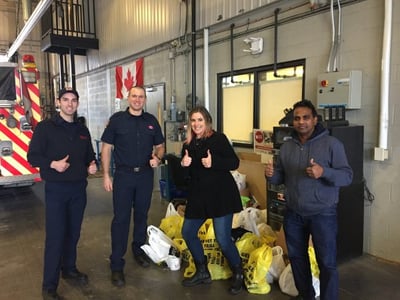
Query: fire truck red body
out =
(20, 111)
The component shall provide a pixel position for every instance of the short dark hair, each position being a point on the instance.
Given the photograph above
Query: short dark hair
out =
(308, 104)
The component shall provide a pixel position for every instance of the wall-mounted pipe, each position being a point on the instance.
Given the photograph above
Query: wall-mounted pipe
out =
(231, 40)
(206, 75)
(39, 11)
(276, 12)
(381, 152)
(26, 9)
(336, 38)
(193, 53)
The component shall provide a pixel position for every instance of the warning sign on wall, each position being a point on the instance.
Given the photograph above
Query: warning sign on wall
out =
(262, 141)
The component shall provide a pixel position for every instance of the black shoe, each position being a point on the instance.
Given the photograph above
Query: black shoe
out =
(50, 295)
(201, 276)
(237, 282)
(142, 260)
(118, 278)
(76, 276)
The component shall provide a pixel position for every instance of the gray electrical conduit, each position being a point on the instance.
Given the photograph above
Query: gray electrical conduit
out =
(333, 60)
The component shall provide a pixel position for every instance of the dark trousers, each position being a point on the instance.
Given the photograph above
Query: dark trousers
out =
(130, 191)
(323, 229)
(65, 206)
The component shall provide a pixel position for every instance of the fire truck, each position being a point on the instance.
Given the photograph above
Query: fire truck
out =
(20, 112)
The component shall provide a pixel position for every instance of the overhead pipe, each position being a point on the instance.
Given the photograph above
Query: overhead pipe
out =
(336, 37)
(381, 152)
(72, 67)
(232, 57)
(231, 40)
(193, 53)
(39, 11)
(206, 75)
(276, 12)
(26, 9)
(61, 70)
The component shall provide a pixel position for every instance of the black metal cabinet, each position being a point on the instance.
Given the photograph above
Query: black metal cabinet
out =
(351, 198)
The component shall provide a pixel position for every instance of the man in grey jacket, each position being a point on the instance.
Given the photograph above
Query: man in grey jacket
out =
(313, 166)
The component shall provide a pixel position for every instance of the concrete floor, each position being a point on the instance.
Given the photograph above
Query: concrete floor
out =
(21, 256)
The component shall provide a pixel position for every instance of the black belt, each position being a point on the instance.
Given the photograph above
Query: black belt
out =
(132, 169)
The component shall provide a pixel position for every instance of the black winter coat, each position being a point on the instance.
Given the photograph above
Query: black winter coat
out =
(212, 191)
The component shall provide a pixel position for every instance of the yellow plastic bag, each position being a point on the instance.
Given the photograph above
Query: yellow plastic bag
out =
(183, 249)
(168, 225)
(204, 229)
(247, 244)
(313, 262)
(216, 262)
(172, 226)
(217, 265)
(256, 269)
(208, 240)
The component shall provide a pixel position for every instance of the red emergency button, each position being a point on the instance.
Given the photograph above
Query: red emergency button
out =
(324, 83)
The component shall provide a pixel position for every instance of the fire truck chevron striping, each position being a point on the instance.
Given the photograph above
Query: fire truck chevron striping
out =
(19, 114)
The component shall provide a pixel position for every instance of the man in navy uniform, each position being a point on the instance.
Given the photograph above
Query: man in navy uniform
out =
(62, 148)
(138, 146)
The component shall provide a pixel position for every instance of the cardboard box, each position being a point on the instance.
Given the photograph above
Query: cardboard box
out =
(251, 166)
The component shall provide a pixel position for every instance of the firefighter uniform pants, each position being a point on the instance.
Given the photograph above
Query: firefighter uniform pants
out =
(131, 190)
(65, 206)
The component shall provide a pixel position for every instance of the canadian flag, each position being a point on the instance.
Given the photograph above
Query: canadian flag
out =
(127, 76)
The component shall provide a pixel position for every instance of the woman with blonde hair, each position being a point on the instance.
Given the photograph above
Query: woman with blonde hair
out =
(209, 157)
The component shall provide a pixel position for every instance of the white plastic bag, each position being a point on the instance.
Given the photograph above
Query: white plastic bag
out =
(287, 285)
(286, 282)
(171, 210)
(159, 244)
(248, 219)
(240, 179)
(277, 264)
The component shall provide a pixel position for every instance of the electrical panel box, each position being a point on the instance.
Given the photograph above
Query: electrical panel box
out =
(339, 88)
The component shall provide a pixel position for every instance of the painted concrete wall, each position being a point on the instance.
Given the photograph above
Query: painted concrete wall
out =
(308, 38)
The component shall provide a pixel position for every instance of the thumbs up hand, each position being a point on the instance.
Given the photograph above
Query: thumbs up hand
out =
(92, 167)
(186, 160)
(269, 169)
(314, 170)
(207, 161)
(60, 165)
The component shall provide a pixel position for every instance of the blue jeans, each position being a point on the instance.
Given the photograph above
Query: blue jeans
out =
(222, 228)
(323, 229)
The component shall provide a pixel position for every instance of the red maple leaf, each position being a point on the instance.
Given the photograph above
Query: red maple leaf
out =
(129, 80)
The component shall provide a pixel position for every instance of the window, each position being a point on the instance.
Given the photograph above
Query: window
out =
(257, 98)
